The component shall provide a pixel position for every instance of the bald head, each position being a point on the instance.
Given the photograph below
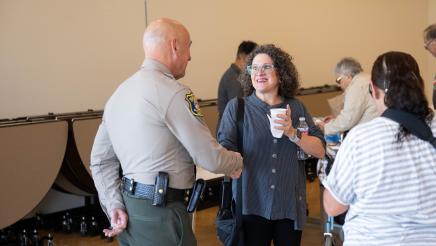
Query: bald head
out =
(168, 42)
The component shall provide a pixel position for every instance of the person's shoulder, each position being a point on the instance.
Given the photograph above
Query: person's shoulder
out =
(225, 78)
(168, 82)
(165, 86)
(231, 108)
(155, 72)
(376, 122)
(363, 77)
(361, 80)
(233, 103)
(293, 100)
(371, 127)
(295, 103)
(227, 71)
(358, 86)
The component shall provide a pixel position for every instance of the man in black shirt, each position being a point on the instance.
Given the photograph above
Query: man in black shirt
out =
(230, 86)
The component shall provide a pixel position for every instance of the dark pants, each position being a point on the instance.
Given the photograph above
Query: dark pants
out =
(260, 231)
(156, 226)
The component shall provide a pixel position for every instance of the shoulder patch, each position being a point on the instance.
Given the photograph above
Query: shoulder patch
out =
(193, 104)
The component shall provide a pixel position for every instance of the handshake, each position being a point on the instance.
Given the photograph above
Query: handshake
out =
(235, 174)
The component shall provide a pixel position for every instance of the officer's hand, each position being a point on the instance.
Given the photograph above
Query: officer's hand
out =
(119, 220)
(236, 174)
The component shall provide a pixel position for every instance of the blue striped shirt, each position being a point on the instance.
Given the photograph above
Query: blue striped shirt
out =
(390, 186)
(273, 181)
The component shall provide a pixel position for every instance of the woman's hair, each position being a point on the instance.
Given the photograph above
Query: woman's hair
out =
(286, 72)
(348, 66)
(397, 73)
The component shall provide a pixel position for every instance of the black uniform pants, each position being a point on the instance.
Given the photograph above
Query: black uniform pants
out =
(259, 231)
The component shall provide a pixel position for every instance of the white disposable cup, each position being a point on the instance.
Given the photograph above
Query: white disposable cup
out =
(274, 112)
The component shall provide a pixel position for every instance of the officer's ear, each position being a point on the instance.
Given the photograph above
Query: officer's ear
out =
(175, 46)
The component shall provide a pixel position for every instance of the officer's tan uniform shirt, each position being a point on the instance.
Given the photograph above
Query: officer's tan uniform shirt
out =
(152, 123)
(359, 107)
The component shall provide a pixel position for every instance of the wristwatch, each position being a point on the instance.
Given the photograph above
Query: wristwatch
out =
(296, 137)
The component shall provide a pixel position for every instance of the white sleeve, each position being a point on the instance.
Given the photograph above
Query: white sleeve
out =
(341, 179)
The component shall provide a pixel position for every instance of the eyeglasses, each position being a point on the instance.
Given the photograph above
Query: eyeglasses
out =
(338, 79)
(370, 89)
(429, 42)
(266, 68)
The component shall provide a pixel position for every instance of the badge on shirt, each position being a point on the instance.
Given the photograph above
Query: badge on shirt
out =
(193, 104)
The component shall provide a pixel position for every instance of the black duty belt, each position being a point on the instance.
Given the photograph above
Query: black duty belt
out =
(144, 191)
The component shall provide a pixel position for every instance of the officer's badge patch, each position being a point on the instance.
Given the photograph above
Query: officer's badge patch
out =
(193, 104)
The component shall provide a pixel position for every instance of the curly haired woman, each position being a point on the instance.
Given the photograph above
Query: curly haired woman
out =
(273, 180)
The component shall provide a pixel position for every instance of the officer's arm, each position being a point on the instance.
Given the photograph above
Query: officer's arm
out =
(105, 171)
(185, 121)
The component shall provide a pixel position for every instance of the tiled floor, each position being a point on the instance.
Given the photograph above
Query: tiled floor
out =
(205, 228)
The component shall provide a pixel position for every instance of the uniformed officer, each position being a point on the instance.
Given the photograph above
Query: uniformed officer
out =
(152, 124)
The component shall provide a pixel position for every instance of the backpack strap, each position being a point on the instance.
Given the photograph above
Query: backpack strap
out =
(240, 130)
(239, 127)
(240, 122)
(412, 123)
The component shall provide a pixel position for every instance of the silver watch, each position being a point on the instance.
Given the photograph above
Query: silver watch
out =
(296, 137)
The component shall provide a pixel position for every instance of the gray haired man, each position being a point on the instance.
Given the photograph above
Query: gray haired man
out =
(430, 45)
(358, 104)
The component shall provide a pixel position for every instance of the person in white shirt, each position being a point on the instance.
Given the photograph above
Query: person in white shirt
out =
(358, 106)
(383, 174)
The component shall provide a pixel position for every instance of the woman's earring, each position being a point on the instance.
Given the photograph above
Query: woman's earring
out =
(386, 85)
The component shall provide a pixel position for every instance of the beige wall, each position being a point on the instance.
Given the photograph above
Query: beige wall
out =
(63, 56)
(60, 56)
(316, 33)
